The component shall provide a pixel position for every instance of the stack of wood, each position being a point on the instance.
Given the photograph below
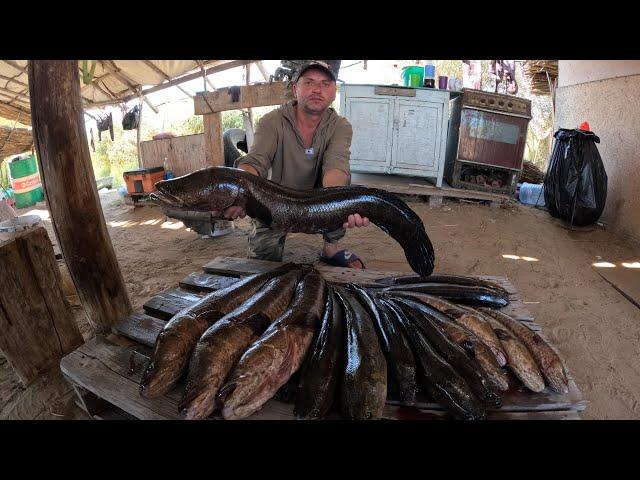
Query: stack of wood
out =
(531, 174)
(14, 141)
(541, 74)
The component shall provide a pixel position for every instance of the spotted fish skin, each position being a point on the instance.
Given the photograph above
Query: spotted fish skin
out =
(320, 210)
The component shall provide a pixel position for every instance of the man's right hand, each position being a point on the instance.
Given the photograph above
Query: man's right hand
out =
(232, 213)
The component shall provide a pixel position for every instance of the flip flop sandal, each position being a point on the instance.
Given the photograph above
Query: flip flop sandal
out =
(343, 258)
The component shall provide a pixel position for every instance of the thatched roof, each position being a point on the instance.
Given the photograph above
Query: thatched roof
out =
(114, 81)
(14, 141)
(541, 75)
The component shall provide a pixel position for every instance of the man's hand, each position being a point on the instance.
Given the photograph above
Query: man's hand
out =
(356, 220)
(232, 213)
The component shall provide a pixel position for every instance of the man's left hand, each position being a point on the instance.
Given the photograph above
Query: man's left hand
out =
(356, 220)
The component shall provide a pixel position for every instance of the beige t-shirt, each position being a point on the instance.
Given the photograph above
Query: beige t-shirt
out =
(278, 146)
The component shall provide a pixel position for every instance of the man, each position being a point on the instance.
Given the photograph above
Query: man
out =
(306, 144)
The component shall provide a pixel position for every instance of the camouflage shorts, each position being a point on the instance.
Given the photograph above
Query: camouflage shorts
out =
(266, 243)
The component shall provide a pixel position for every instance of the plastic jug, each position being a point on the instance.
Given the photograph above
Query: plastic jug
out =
(532, 194)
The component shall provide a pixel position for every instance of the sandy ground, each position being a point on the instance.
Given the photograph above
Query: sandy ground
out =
(594, 327)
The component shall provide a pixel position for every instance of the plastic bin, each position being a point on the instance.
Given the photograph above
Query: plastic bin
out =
(143, 180)
(413, 76)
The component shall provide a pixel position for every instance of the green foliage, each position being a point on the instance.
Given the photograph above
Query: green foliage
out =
(112, 158)
(232, 119)
(191, 126)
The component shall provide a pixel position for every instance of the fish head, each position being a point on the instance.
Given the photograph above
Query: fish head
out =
(240, 396)
(211, 189)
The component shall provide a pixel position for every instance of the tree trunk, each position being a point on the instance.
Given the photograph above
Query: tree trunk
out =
(72, 196)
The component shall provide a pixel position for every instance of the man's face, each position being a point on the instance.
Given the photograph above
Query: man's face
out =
(315, 91)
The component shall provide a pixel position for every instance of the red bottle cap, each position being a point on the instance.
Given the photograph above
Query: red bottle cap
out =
(585, 126)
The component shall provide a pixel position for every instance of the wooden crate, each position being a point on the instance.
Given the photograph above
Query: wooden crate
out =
(106, 371)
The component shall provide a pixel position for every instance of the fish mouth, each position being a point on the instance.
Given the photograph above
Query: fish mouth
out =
(224, 392)
(166, 199)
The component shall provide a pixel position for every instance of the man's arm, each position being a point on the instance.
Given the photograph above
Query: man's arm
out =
(336, 167)
(248, 168)
(335, 178)
(263, 150)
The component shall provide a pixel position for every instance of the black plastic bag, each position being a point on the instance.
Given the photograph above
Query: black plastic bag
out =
(575, 187)
(104, 124)
(131, 119)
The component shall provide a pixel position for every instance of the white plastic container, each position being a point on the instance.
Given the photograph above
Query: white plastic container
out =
(532, 194)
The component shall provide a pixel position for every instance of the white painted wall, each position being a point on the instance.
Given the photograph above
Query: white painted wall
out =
(574, 72)
(611, 105)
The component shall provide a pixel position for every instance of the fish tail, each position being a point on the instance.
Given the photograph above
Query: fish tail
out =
(419, 253)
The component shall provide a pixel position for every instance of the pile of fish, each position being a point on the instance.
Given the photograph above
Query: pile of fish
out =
(321, 210)
(347, 349)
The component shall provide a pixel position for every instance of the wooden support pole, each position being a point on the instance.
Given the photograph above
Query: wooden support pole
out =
(214, 150)
(263, 71)
(37, 327)
(72, 196)
(139, 130)
(248, 118)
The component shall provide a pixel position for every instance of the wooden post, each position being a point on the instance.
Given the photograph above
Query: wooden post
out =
(248, 119)
(213, 147)
(139, 129)
(36, 324)
(72, 196)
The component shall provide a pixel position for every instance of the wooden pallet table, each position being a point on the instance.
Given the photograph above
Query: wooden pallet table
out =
(107, 370)
(420, 188)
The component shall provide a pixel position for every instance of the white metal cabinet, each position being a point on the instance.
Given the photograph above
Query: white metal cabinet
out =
(397, 130)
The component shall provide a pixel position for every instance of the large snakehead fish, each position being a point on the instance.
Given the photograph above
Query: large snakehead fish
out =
(321, 210)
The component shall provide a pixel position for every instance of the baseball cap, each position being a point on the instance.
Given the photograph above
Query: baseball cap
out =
(314, 64)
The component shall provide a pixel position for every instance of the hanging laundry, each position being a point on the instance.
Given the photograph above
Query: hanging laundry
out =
(104, 124)
(504, 71)
(93, 145)
(472, 74)
(131, 119)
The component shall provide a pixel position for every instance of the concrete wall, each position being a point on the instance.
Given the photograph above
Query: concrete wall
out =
(611, 105)
(574, 72)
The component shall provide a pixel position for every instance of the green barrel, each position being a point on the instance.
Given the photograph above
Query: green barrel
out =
(25, 181)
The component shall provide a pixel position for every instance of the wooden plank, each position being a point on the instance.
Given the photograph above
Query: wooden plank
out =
(36, 322)
(395, 91)
(258, 95)
(182, 155)
(90, 364)
(140, 327)
(409, 186)
(624, 280)
(239, 266)
(166, 304)
(409, 413)
(113, 373)
(247, 266)
(213, 146)
(61, 145)
(518, 399)
(205, 282)
(113, 413)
